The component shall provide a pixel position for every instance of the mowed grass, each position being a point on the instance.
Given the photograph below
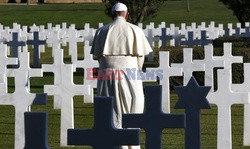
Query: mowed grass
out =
(170, 12)
(79, 14)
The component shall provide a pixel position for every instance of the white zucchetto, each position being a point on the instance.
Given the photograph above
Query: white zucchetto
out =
(119, 7)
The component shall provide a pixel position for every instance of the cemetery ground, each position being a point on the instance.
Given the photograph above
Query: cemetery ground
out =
(170, 12)
(83, 113)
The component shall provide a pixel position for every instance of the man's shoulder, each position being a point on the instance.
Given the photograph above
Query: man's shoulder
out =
(134, 26)
(105, 27)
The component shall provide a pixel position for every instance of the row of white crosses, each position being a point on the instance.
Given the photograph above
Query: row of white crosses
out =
(194, 35)
(154, 34)
(63, 74)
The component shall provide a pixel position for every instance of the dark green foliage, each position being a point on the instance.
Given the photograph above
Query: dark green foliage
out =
(139, 10)
(241, 9)
(237, 42)
(12, 1)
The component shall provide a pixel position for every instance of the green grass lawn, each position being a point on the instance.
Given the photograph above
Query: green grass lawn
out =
(170, 12)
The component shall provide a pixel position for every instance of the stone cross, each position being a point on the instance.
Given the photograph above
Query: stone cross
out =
(6, 35)
(56, 69)
(190, 41)
(245, 87)
(88, 63)
(88, 33)
(164, 37)
(34, 28)
(43, 34)
(153, 120)
(36, 130)
(100, 25)
(189, 66)
(103, 135)
(15, 44)
(21, 99)
(36, 44)
(73, 39)
(204, 41)
(192, 98)
(183, 29)
(238, 30)
(4, 62)
(151, 40)
(177, 38)
(224, 98)
(229, 31)
(247, 32)
(210, 63)
(54, 41)
(203, 25)
(228, 57)
(66, 90)
(166, 72)
(221, 30)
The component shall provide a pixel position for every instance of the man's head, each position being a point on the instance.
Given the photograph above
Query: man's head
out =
(120, 10)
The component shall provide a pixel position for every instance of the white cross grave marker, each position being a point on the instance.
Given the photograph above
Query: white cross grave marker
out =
(54, 41)
(189, 66)
(224, 98)
(151, 40)
(88, 33)
(4, 61)
(88, 63)
(166, 72)
(228, 57)
(21, 99)
(245, 87)
(66, 90)
(210, 63)
(73, 39)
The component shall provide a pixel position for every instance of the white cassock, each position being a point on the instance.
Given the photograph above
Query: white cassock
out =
(120, 48)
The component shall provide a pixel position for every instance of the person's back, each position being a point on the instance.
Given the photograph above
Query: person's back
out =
(120, 48)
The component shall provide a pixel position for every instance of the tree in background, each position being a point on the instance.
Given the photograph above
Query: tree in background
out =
(241, 9)
(139, 10)
(12, 1)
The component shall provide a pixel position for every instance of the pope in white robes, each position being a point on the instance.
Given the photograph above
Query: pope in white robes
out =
(120, 48)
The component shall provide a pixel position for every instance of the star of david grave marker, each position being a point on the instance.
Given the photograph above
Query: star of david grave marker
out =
(192, 98)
